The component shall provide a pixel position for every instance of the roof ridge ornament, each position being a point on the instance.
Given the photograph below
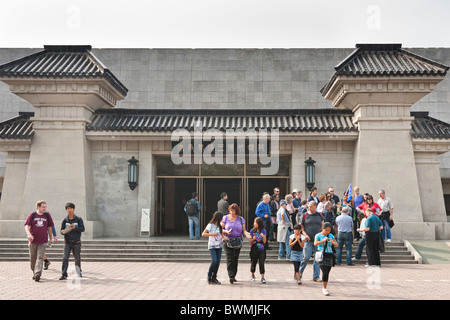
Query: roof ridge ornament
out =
(68, 48)
(379, 46)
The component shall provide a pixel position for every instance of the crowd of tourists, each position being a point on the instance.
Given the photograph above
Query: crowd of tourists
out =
(313, 229)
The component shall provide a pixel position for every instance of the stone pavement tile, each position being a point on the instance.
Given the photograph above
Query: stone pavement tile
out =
(187, 281)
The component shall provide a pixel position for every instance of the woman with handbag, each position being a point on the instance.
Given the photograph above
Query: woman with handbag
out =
(325, 255)
(233, 228)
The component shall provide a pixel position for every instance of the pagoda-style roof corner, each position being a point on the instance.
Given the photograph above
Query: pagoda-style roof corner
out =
(61, 62)
(384, 60)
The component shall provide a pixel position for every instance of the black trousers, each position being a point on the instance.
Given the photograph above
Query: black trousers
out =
(325, 272)
(373, 248)
(232, 260)
(257, 256)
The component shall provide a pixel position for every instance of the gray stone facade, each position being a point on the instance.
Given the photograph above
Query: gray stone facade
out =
(255, 79)
(229, 79)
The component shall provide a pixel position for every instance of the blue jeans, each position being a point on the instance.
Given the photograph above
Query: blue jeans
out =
(361, 245)
(387, 228)
(309, 250)
(193, 227)
(270, 235)
(284, 246)
(347, 238)
(216, 254)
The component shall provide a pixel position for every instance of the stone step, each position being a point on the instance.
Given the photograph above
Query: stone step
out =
(169, 251)
(117, 251)
(185, 258)
(110, 245)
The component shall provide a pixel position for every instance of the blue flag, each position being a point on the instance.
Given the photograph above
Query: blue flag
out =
(349, 192)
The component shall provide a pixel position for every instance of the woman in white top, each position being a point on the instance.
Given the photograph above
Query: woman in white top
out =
(214, 231)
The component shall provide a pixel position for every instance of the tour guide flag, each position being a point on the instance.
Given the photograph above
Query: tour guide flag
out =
(349, 192)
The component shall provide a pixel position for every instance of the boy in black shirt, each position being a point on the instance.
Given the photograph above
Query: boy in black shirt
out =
(71, 227)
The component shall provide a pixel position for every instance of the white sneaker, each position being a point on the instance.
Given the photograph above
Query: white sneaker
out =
(325, 292)
(388, 240)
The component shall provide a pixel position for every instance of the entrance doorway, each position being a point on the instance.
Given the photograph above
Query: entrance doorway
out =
(173, 193)
(172, 196)
(242, 182)
(213, 188)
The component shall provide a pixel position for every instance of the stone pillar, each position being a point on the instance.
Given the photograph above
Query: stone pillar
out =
(15, 177)
(146, 182)
(298, 167)
(384, 154)
(60, 166)
(433, 206)
(429, 178)
(14, 181)
(384, 158)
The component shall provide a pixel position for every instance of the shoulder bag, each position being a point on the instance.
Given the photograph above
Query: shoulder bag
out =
(236, 243)
(319, 254)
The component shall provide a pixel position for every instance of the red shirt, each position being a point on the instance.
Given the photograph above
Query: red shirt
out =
(363, 206)
(39, 227)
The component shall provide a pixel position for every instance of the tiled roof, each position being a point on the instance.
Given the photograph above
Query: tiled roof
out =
(425, 127)
(61, 62)
(327, 120)
(383, 60)
(144, 120)
(19, 127)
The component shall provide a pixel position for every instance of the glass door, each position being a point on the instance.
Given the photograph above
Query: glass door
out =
(211, 190)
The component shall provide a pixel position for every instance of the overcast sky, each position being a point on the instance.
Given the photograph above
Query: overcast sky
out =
(224, 23)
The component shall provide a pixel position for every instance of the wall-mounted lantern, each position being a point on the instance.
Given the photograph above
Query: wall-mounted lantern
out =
(133, 173)
(310, 173)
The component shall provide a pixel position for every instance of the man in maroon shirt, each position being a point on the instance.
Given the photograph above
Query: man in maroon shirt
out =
(39, 230)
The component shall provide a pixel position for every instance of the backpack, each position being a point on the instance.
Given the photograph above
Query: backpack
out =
(33, 215)
(191, 207)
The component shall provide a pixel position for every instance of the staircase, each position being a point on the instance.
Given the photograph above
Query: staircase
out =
(171, 250)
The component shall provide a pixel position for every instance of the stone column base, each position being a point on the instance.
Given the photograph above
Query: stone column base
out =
(413, 231)
(421, 230)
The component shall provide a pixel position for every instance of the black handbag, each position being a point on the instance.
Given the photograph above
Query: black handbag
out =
(391, 223)
(236, 243)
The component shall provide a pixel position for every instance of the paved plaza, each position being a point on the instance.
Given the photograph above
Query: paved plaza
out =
(181, 290)
(187, 281)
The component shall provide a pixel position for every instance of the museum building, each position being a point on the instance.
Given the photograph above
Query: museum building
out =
(78, 144)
